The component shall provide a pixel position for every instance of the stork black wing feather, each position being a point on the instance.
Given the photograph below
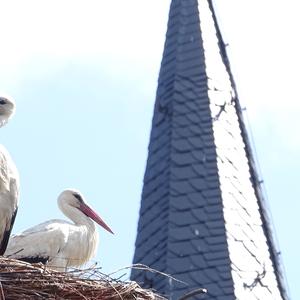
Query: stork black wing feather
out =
(35, 259)
(6, 235)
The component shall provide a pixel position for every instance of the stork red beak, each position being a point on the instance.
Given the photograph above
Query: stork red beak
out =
(94, 216)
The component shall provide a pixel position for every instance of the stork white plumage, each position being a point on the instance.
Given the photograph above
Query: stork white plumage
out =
(9, 180)
(57, 243)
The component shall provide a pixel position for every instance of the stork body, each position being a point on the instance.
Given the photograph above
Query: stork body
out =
(9, 181)
(57, 243)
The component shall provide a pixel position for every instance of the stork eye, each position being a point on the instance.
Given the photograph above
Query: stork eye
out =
(2, 101)
(78, 197)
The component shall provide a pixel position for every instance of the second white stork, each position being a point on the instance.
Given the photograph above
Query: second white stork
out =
(57, 243)
(9, 180)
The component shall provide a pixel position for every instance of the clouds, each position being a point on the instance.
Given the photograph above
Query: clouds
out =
(122, 39)
(71, 29)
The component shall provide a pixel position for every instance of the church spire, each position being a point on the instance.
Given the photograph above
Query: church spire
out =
(202, 217)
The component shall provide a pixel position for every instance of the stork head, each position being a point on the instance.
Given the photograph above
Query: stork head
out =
(73, 198)
(7, 109)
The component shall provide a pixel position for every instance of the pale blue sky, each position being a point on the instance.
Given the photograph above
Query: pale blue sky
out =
(84, 73)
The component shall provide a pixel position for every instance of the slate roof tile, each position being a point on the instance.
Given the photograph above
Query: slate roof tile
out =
(199, 230)
(213, 275)
(162, 129)
(183, 20)
(222, 269)
(213, 200)
(183, 159)
(161, 155)
(152, 186)
(211, 168)
(180, 218)
(180, 203)
(217, 262)
(151, 231)
(214, 240)
(180, 264)
(181, 145)
(196, 117)
(215, 224)
(201, 215)
(152, 212)
(186, 39)
(188, 3)
(180, 108)
(157, 170)
(174, 9)
(211, 193)
(196, 143)
(186, 29)
(200, 245)
(192, 71)
(199, 277)
(228, 291)
(197, 201)
(199, 184)
(187, 7)
(180, 234)
(225, 275)
(193, 105)
(185, 172)
(182, 187)
(185, 278)
(180, 132)
(217, 247)
(159, 119)
(214, 290)
(148, 257)
(197, 130)
(199, 155)
(229, 296)
(189, 56)
(156, 196)
(216, 231)
(213, 209)
(181, 248)
(181, 120)
(216, 255)
(196, 83)
(199, 169)
(198, 259)
(166, 80)
(225, 284)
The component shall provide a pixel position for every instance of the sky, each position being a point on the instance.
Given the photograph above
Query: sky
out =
(84, 76)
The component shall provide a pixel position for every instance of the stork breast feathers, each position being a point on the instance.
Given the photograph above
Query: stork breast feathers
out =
(8, 170)
(4, 176)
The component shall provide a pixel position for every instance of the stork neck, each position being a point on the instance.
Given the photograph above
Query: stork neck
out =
(78, 217)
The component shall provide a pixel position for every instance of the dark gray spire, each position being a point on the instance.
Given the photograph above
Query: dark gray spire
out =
(201, 217)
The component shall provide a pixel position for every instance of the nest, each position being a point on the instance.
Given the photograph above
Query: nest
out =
(20, 280)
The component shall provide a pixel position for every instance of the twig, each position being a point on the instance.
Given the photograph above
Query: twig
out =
(193, 293)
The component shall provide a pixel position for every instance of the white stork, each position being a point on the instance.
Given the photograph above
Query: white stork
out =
(9, 180)
(57, 243)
